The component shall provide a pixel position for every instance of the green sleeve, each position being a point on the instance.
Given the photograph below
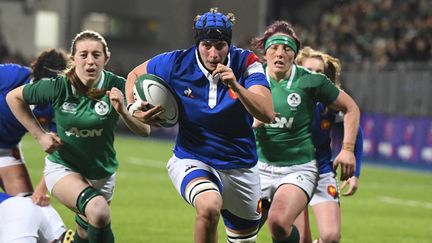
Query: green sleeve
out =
(44, 91)
(326, 92)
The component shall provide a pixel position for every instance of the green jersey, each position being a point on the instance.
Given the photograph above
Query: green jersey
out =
(85, 125)
(288, 141)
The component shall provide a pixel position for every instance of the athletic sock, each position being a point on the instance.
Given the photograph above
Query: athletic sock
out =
(293, 238)
(100, 235)
(78, 239)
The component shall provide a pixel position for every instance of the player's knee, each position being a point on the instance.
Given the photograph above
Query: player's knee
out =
(98, 213)
(93, 205)
(330, 237)
(277, 227)
(242, 237)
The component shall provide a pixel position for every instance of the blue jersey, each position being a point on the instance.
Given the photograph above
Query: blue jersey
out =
(321, 127)
(11, 130)
(214, 126)
(4, 196)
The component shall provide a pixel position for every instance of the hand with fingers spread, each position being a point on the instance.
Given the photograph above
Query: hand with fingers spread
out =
(353, 186)
(347, 161)
(148, 113)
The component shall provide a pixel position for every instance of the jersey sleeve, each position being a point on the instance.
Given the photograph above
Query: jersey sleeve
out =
(255, 72)
(326, 92)
(358, 152)
(161, 64)
(12, 76)
(45, 91)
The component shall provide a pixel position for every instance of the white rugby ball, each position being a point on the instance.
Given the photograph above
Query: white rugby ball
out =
(154, 90)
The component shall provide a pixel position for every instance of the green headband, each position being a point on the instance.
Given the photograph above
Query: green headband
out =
(282, 39)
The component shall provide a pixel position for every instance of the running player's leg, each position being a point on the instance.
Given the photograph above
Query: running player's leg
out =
(294, 187)
(241, 210)
(303, 226)
(325, 205)
(200, 186)
(13, 173)
(78, 194)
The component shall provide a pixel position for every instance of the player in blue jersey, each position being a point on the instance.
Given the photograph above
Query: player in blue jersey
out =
(13, 173)
(23, 221)
(214, 162)
(325, 201)
(81, 166)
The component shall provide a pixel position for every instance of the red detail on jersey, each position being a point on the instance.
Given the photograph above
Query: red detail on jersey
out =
(259, 206)
(251, 59)
(232, 94)
(332, 191)
(325, 124)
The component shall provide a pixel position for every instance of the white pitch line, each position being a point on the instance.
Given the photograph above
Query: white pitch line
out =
(146, 162)
(403, 202)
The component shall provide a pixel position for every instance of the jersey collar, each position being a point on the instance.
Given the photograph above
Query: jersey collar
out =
(291, 77)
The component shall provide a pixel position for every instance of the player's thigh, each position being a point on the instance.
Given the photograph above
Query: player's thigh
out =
(16, 179)
(187, 175)
(241, 198)
(327, 217)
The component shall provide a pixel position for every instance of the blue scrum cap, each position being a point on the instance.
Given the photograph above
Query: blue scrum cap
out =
(213, 26)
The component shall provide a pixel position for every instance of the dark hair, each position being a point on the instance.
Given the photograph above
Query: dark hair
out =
(49, 64)
(70, 72)
(278, 26)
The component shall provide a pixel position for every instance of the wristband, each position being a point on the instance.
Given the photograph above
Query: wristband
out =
(348, 147)
(133, 107)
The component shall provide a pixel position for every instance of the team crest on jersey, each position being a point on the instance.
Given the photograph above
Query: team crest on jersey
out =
(69, 107)
(325, 124)
(332, 191)
(232, 94)
(101, 108)
(293, 99)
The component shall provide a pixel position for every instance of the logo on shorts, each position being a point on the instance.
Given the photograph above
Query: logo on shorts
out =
(101, 108)
(332, 191)
(299, 178)
(189, 167)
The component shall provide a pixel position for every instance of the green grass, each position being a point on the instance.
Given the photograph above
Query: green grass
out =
(390, 206)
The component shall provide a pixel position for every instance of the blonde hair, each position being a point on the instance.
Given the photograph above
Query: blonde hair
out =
(332, 65)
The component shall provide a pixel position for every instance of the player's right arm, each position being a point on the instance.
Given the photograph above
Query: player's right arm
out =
(144, 112)
(48, 141)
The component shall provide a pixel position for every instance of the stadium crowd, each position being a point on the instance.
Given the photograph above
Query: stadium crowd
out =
(373, 32)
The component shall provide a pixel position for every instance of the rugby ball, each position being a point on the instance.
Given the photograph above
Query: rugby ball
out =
(154, 90)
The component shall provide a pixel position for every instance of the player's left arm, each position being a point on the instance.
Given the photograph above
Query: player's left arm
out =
(257, 99)
(351, 123)
(353, 181)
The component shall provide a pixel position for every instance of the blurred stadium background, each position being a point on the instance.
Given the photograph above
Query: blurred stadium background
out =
(385, 49)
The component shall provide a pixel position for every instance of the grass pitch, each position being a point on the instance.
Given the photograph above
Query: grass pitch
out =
(391, 205)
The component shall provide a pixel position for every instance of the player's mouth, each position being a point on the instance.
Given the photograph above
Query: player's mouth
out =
(279, 63)
(91, 71)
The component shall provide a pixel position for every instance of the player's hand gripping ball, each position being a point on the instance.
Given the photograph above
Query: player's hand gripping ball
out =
(156, 91)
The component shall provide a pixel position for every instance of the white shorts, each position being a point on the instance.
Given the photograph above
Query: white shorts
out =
(23, 219)
(304, 176)
(55, 172)
(12, 156)
(327, 189)
(240, 189)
